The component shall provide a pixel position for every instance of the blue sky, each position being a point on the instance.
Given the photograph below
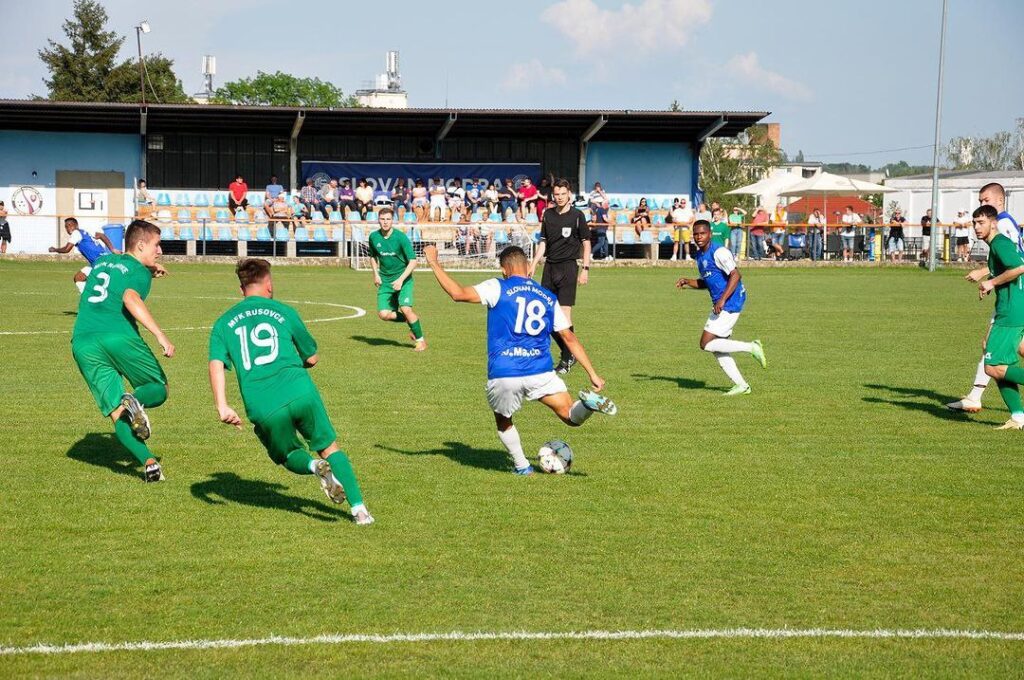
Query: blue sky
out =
(843, 78)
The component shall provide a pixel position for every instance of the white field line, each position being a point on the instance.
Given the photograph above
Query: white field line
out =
(356, 313)
(696, 634)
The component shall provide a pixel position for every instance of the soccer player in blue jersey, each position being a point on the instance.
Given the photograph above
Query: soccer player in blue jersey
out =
(521, 316)
(720, 276)
(92, 248)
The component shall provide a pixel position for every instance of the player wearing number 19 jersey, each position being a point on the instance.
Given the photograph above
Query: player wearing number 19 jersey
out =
(521, 316)
(107, 346)
(270, 348)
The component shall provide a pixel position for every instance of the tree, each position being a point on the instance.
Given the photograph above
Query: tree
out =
(727, 164)
(79, 71)
(1002, 151)
(162, 85)
(675, 106)
(282, 89)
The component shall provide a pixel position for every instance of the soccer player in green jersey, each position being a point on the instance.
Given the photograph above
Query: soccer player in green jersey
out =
(1005, 268)
(107, 346)
(393, 260)
(269, 347)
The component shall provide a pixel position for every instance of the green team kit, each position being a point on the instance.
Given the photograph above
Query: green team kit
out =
(1008, 324)
(393, 252)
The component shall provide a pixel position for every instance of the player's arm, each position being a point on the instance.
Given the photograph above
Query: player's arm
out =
(455, 290)
(977, 275)
(538, 254)
(376, 270)
(691, 283)
(157, 271)
(224, 412)
(100, 236)
(574, 345)
(305, 343)
(137, 308)
(66, 248)
(397, 284)
(730, 287)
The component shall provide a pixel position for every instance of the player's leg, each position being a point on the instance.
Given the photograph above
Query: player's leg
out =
(387, 304)
(80, 276)
(505, 396)
(405, 302)
(1001, 364)
(716, 339)
(133, 359)
(971, 402)
(551, 391)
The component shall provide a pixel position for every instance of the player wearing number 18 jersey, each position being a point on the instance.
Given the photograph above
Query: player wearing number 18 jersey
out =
(269, 348)
(521, 316)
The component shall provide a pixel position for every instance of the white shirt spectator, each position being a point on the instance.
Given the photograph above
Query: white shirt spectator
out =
(850, 222)
(681, 216)
(703, 215)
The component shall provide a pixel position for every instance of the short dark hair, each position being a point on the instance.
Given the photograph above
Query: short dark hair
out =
(142, 181)
(513, 255)
(137, 231)
(985, 211)
(701, 223)
(562, 183)
(996, 187)
(385, 211)
(71, 220)
(251, 271)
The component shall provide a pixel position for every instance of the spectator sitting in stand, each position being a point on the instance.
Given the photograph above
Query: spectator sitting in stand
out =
(508, 199)
(641, 217)
(599, 204)
(420, 201)
(144, 200)
(491, 199)
(309, 197)
(364, 197)
(457, 200)
(543, 196)
(401, 198)
(474, 196)
(280, 214)
(346, 198)
(272, 190)
(237, 191)
(528, 198)
(438, 200)
(329, 197)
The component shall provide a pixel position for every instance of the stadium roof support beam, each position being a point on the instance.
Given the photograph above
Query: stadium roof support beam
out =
(712, 129)
(293, 151)
(143, 146)
(443, 132)
(585, 138)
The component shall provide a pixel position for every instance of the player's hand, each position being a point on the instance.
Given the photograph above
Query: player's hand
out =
(584, 277)
(718, 306)
(376, 280)
(597, 382)
(396, 285)
(51, 249)
(977, 274)
(166, 345)
(984, 288)
(229, 417)
(430, 253)
(530, 270)
(158, 271)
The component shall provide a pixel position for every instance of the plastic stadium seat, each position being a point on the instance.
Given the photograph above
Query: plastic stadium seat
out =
(371, 216)
(224, 234)
(531, 218)
(184, 216)
(207, 234)
(261, 217)
(163, 215)
(282, 233)
(652, 203)
(320, 234)
(410, 217)
(354, 216)
(614, 204)
(339, 234)
(665, 237)
(263, 234)
(500, 237)
(223, 216)
(335, 217)
(646, 238)
(301, 234)
(631, 204)
(621, 218)
(244, 234)
(220, 200)
(658, 219)
(494, 217)
(202, 215)
(666, 204)
(476, 217)
(255, 198)
(167, 233)
(416, 236)
(628, 237)
(186, 234)
(510, 218)
(242, 215)
(163, 199)
(317, 217)
(181, 198)
(201, 200)
(536, 236)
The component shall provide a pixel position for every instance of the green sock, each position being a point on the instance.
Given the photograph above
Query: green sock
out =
(1015, 374)
(417, 329)
(342, 470)
(151, 395)
(399, 317)
(1011, 397)
(137, 447)
(298, 462)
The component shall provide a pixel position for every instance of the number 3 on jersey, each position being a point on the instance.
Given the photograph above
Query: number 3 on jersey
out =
(530, 316)
(263, 336)
(101, 290)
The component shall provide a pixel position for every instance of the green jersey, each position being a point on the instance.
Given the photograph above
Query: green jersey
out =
(101, 308)
(720, 233)
(265, 342)
(1002, 256)
(392, 253)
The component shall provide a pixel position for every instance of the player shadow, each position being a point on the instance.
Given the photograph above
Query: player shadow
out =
(681, 383)
(935, 403)
(103, 450)
(230, 487)
(485, 459)
(378, 342)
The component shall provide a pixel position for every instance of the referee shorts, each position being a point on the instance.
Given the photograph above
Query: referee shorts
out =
(560, 279)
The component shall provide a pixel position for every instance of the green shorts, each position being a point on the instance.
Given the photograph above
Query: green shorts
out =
(390, 299)
(1001, 346)
(105, 361)
(279, 431)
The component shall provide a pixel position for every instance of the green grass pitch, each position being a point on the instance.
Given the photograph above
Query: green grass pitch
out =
(839, 495)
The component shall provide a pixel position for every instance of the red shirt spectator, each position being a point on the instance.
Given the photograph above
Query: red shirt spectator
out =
(527, 196)
(759, 221)
(238, 189)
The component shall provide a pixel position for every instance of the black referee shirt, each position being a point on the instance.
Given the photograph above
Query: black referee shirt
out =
(563, 234)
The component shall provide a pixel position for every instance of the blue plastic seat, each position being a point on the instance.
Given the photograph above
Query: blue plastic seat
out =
(167, 234)
(220, 200)
(244, 234)
(181, 198)
(203, 215)
(224, 234)
(320, 234)
(223, 216)
(371, 216)
(201, 200)
(631, 204)
(476, 217)
(665, 237)
(242, 215)
(646, 237)
(415, 235)
(658, 219)
(207, 234)
(614, 204)
(494, 217)
(184, 216)
(339, 234)
(317, 217)
(163, 199)
(255, 198)
(500, 237)
(260, 217)
(335, 217)
(510, 217)
(621, 218)
(628, 237)
(282, 233)
(301, 234)
(410, 217)
(263, 234)
(186, 234)
(531, 218)
(666, 204)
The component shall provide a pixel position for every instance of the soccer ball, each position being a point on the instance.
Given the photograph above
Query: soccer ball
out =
(555, 457)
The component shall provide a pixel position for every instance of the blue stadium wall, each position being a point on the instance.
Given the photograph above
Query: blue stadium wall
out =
(642, 167)
(45, 153)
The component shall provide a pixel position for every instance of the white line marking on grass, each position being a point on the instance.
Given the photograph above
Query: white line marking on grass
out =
(697, 634)
(356, 313)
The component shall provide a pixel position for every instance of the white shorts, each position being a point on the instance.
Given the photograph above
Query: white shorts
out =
(505, 395)
(87, 269)
(721, 325)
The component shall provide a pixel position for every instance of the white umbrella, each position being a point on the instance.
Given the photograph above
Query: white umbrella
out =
(826, 183)
(768, 185)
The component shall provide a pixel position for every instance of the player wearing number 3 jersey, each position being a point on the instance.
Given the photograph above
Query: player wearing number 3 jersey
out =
(521, 316)
(269, 348)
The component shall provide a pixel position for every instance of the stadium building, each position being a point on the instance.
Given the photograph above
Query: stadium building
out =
(83, 159)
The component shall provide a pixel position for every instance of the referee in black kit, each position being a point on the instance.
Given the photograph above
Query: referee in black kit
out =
(563, 232)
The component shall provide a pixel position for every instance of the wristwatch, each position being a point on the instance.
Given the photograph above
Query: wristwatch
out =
(586, 269)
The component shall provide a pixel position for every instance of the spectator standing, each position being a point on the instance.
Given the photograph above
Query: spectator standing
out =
(543, 196)
(528, 198)
(420, 201)
(682, 224)
(364, 197)
(438, 200)
(736, 230)
(5, 229)
(309, 197)
(599, 204)
(962, 233)
(926, 233)
(848, 232)
(346, 198)
(237, 191)
(144, 201)
(508, 199)
(895, 243)
(816, 224)
(641, 217)
(703, 213)
(719, 228)
(779, 219)
(599, 238)
(757, 247)
(329, 197)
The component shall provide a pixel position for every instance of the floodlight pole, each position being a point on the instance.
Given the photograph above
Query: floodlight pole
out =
(142, 76)
(935, 154)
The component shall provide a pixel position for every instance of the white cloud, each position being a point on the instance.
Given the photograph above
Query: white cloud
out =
(524, 74)
(747, 68)
(653, 25)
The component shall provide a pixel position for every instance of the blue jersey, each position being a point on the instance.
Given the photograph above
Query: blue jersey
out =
(715, 264)
(1009, 228)
(521, 315)
(90, 248)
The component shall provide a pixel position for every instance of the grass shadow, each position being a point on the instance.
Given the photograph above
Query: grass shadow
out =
(681, 383)
(223, 487)
(463, 454)
(934, 404)
(103, 450)
(378, 342)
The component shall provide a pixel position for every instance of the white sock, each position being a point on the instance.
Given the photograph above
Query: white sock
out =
(728, 365)
(579, 413)
(981, 380)
(510, 439)
(725, 346)
(312, 465)
(80, 285)
(359, 508)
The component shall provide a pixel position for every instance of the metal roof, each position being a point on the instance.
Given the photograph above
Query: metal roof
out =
(619, 125)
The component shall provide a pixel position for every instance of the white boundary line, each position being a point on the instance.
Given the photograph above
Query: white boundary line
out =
(357, 312)
(695, 634)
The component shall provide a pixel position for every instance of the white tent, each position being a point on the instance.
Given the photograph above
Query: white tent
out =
(826, 184)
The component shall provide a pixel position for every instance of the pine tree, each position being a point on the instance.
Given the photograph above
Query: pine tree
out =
(79, 71)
